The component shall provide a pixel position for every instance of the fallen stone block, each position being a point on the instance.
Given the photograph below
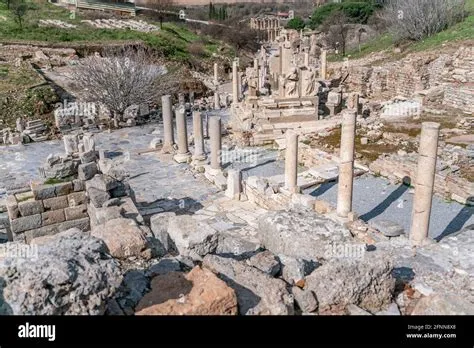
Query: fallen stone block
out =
(62, 280)
(165, 265)
(366, 282)
(294, 270)
(122, 236)
(443, 304)
(159, 226)
(300, 234)
(78, 185)
(86, 171)
(257, 292)
(232, 245)
(88, 157)
(97, 197)
(102, 182)
(12, 207)
(74, 213)
(191, 237)
(199, 292)
(305, 299)
(76, 198)
(265, 262)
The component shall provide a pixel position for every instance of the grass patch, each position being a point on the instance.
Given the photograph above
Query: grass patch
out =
(53, 181)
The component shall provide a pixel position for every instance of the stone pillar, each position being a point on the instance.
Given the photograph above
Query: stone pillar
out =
(89, 142)
(306, 59)
(239, 85)
(424, 182)
(168, 131)
(216, 74)
(233, 184)
(181, 99)
(353, 102)
(217, 103)
(71, 143)
(291, 162)
(216, 143)
(323, 64)
(235, 83)
(346, 164)
(183, 154)
(199, 154)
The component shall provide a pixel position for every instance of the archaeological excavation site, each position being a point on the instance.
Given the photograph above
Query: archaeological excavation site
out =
(196, 165)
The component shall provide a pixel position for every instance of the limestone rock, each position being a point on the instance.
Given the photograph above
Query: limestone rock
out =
(97, 197)
(159, 227)
(305, 235)
(266, 262)
(199, 292)
(73, 274)
(86, 171)
(257, 292)
(387, 228)
(165, 265)
(352, 309)
(233, 245)
(294, 270)
(446, 304)
(305, 299)
(122, 236)
(366, 282)
(191, 237)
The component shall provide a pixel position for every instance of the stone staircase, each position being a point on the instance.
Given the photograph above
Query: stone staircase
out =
(36, 130)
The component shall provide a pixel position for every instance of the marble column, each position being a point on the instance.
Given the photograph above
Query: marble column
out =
(216, 74)
(323, 65)
(168, 131)
(217, 102)
(183, 154)
(291, 162)
(199, 153)
(346, 164)
(235, 83)
(216, 142)
(234, 187)
(424, 182)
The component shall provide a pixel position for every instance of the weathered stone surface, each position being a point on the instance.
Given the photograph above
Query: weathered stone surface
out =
(102, 182)
(387, 228)
(111, 203)
(366, 282)
(88, 157)
(78, 185)
(73, 274)
(76, 198)
(97, 197)
(53, 217)
(30, 208)
(165, 265)
(232, 245)
(55, 203)
(12, 207)
(443, 304)
(159, 227)
(191, 237)
(78, 212)
(122, 190)
(293, 270)
(43, 191)
(300, 234)
(199, 292)
(123, 237)
(80, 224)
(257, 292)
(134, 285)
(352, 309)
(305, 299)
(392, 309)
(266, 262)
(86, 171)
(26, 223)
(63, 188)
(100, 216)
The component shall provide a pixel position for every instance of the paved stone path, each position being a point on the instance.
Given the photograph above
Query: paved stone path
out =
(376, 199)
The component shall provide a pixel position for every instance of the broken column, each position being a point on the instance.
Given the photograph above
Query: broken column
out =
(424, 182)
(291, 162)
(216, 143)
(233, 184)
(353, 102)
(346, 164)
(199, 154)
(168, 140)
(217, 103)
(216, 74)
(183, 154)
(235, 83)
(323, 64)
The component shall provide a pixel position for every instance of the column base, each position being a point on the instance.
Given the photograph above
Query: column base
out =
(182, 157)
(168, 148)
(199, 161)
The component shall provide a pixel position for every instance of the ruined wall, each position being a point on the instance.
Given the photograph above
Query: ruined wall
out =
(47, 210)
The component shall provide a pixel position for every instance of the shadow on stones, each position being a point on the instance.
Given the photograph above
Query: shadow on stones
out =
(248, 169)
(61, 92)
(5, 308)
(323, 188)
(246, 299)
(387, 202)
(113, 154)
(403, 276)
(180, 206)
(457, 223)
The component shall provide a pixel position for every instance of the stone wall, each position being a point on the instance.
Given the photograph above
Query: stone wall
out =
(47, 210)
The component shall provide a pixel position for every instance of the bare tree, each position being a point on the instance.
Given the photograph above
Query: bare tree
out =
(336, 27)
(161, 8)
(417, 19)
(19, 9)
(121, 79)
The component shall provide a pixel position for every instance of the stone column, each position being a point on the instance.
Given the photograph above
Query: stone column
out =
(183, 154)
(306, 59)
(216, 74)
(323, 64)
(181, 99)
(217, 103)
(216, 143)
(239, 85)
(233, 184)
(424, 182)
(346, 164)
(353, 102)
(291, 162)
(168, 131)
(235, 83)
(199, 154)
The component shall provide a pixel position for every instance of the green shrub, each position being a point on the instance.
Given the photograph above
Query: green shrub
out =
(358, 12)
(296, 23)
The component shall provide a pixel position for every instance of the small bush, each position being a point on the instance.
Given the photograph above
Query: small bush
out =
(296, 23)
(357, 12)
